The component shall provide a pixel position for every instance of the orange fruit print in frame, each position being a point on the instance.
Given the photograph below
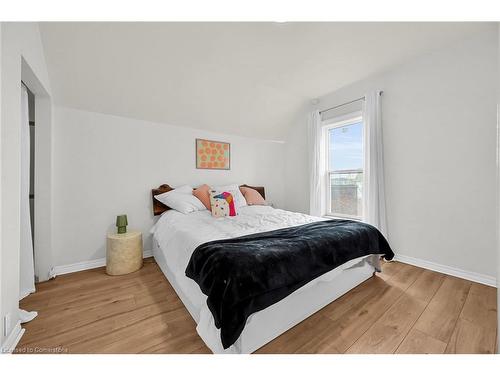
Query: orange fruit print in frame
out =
(213, 154)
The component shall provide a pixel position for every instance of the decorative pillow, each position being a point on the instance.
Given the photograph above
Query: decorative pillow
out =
(222, 203)
(203, 194)
(252, 197)
(239, 199)
(181, 200)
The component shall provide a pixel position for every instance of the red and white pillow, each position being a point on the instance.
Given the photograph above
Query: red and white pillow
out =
(234, 189)
(222, 203)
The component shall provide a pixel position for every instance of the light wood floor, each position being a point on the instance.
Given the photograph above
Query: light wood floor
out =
(403, 310)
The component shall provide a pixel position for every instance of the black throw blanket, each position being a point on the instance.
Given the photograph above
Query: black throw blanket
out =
(243, 275)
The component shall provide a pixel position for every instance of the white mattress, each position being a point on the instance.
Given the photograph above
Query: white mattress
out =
(177, 235)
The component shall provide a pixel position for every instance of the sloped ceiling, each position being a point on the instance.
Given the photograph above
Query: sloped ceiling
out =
(250, 79)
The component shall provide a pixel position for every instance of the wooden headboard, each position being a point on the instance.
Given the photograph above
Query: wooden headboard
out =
(159, 208)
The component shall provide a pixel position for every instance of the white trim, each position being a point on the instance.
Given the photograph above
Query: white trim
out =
(88, 264)
(339, 217)
(453, 271)
(13, 338)
(342, 120)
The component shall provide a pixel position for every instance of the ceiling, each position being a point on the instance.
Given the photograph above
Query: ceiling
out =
(250, 79)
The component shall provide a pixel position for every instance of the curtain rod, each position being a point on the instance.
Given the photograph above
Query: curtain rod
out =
(341, 105)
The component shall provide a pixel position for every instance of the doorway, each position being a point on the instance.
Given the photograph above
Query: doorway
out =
(40, 192)
(31, 109)
(26, 257)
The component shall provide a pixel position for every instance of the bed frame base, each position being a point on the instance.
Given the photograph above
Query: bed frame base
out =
(266, 325)
(280, 317)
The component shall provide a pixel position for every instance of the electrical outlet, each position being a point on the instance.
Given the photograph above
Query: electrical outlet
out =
(6, 325)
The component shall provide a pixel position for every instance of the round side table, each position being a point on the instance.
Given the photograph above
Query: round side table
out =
(123, 253)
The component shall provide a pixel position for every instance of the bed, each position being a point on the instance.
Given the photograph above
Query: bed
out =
(176, 236)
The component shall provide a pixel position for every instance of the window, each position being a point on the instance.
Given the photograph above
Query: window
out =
(345, 163)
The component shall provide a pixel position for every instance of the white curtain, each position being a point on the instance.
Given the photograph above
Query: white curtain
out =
(374, 189)
(27, 272)
(317, 165)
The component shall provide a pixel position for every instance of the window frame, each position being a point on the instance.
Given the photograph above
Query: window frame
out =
(329, 124)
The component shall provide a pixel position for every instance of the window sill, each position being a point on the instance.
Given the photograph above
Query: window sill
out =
(342, 218)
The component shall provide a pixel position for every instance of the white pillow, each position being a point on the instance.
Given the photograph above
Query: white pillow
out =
(186, 189)
(181, 199)
(234, 189)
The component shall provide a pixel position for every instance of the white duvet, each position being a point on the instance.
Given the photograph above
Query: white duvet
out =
(184, 232)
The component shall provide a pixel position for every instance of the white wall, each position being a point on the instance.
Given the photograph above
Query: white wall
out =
(19, 41)
(498, 187)
(107, 165)
(439, 145)
(2, 339)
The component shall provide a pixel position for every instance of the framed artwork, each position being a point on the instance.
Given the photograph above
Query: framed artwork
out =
(213, 154)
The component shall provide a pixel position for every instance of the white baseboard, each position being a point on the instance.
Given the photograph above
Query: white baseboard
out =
(13, 338)
(463, 274)
(88, 264)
